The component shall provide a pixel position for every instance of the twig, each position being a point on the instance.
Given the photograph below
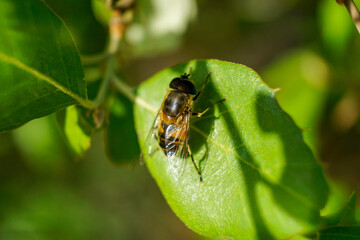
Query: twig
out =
(117, 28)
(110, 68)
(93, 59)
(128, 92)
(353, 11)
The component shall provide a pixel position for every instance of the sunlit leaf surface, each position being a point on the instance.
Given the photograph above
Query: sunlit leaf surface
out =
(76, 129)
(39, 63)
(260, 180)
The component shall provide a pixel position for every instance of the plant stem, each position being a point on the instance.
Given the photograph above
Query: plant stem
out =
(117, 27)
(88, 60)
(110, 68)
(128, 92)
(116, 33)
(353, 11)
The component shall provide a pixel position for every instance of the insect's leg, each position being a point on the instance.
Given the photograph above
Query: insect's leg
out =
(207, 109)
(192, 159)
(153, 152)
(202, 88)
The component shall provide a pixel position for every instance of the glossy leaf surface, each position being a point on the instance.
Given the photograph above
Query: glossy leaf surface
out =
(260, 180)
(39, 64)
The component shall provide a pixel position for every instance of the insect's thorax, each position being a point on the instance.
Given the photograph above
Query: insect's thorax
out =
(175, 104)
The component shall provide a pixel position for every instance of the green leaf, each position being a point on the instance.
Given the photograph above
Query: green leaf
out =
(302, 77)
(122, 143)
(89, 34)
(336, 29)
(101, 11)
(76, 129)
(340, 233)
(338, 197)
(40, 67)
(260, 180)
(299, 237)
(346, 216)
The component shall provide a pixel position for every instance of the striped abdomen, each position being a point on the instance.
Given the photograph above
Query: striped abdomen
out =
(171, 137)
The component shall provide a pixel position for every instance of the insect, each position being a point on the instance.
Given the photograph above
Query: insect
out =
(171, 128)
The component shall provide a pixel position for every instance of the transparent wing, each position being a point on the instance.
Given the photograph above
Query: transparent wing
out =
(177, 161)
(150, 144)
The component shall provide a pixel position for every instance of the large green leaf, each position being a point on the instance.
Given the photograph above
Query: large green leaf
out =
(40, 67)
(260, 180)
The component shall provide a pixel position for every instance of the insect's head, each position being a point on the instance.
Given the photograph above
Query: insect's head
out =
(183, 84)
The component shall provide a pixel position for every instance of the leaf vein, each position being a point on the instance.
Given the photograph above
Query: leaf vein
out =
(262, 172)
(10, 60)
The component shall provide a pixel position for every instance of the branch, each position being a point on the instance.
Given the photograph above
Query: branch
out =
(128, 92)
(353, 11)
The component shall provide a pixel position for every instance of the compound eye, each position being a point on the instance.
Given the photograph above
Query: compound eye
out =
(174, 84)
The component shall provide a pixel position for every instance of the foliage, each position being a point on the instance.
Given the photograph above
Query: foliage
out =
(247, 155)
(41, 70)
(261, 180)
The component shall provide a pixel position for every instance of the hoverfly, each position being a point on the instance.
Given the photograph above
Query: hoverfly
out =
(171, 128)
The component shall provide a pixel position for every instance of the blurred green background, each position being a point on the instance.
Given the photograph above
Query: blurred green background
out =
(308, 49)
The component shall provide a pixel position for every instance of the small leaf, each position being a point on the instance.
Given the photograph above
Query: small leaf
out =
(76, 129)
(40, 67)
(260, 180)
(336, 29)
(122, 143)
(340, 233)
(101, 11)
